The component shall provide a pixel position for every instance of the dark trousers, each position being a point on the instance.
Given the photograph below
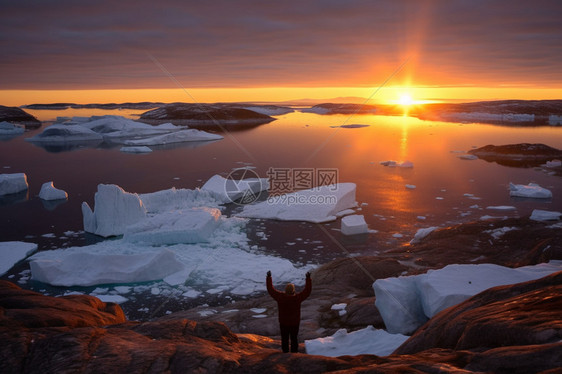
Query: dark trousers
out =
(292, 332)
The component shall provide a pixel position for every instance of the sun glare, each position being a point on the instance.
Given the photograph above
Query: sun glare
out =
(405, 100)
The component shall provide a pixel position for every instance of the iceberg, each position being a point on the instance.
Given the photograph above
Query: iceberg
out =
(115, 209)
(317, 205)
(13, 252)
(84, 268)
(227, 190)
(7, 128)
(132, 149)
(49, 192)
(532, 190)
(545, 215)
(407, 302)
(190, 135)
(365, 341)
(553, 164)
(117, 129)
(12, 183)
(190, 226)
(353, 225)
(61, 133)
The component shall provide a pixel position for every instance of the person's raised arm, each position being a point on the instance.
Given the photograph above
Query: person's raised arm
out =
(269, 283)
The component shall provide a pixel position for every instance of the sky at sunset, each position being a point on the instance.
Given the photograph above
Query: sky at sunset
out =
(107, 51)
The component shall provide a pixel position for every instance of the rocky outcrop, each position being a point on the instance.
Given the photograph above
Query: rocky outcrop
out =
(206, 115)
(16, 115)
(28, 309)
(527, 243)
(512, 329)
(523, 155)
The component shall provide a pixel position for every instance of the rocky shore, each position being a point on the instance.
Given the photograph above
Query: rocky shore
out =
(515, 328)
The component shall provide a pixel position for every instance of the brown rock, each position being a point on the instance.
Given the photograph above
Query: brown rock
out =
(17, 115)
(31, 309)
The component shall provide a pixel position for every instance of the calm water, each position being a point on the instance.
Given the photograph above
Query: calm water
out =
(296, 140)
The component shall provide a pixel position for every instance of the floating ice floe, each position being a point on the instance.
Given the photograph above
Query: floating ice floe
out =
(190, 135)
(545, 215)
(410, 186)
(13, 252)
(60, 133)
(468, 157)
(532, 190)
(352, 126)
(553, 164)
(227, 190)
(405, 164)
(422, 233)
(554, 120)
(132, 149)
(88, 268)
(501, 207)
(319, 204)
(12, 183)
(7, 128)
(49, 192)
(365, 341)
(407, 302)
(117, 129)
(353, 225)
(212, 251)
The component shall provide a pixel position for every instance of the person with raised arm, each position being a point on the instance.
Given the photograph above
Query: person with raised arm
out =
(289, 309)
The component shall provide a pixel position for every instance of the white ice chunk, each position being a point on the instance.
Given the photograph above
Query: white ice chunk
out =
(177, 199)
(501, 207)
(468, 157)
(406, 164)
(545, 215)
(365, 341)
(49, 192)
(82, 268)
(498, 233)
(553, 164)
(115, 209)
(7, 128)
(353, 225)
(189, 135)
(390, 163)
(227, 190)
(422, 233)
(12, 183)
(320, 204)
(554, 120)
(405, 303)
(13, 252)
(63, 133)
(397, 301)
(410, 186)
(131, 149)
(532, 190)
(184, 226)
(118, 299)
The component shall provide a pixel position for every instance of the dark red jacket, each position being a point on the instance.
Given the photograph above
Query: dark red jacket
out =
(289, 305)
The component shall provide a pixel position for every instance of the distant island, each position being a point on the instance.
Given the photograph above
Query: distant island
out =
(503, 112)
